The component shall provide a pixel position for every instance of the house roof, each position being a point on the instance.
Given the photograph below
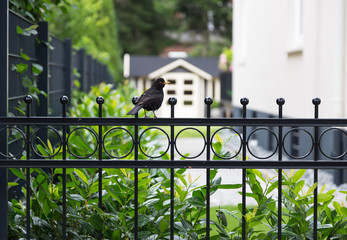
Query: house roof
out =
(137, 66)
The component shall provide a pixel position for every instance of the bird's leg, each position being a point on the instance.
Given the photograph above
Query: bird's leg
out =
(145, 114)
(155, 116)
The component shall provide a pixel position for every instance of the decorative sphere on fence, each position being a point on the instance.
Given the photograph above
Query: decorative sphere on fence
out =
(244, 101)
(316, 101)
(28, 99)
(64, 100)
(172, 101)
(208, 101)
(280, 101)
(100, 100)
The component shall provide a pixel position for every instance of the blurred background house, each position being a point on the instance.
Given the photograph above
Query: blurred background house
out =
(293, 49)
(297, 50)
(191, 80)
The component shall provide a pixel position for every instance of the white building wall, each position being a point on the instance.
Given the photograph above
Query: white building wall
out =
(294, 49)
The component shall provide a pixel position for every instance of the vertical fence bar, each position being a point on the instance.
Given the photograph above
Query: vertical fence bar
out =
(208, 102)
(68, 67)
(43, 60)
(64, 100)
(100, 101)
(4, 23)
(316, 102)
(136, 174)
(280, 102)
(28, 100)
(172, 102)
(244, 102)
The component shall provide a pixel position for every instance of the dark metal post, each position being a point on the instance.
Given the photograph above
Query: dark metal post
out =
(68, 67)
(208, 102)
(89, 71)
(136, 177)
(280, 102)
(244, 102)
(4, 23)
(316, 102)
(100, 101)
(172, 102)
(64, 100)
(82, 68)
(43, 60)
(28, 100)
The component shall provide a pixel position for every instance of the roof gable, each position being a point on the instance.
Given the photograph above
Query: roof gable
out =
(142, 66)
(177, 64)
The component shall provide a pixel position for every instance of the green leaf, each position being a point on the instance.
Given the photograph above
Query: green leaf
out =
(337, 207)
(311, 189)
(81, 175)
(196, 202)
(36, 69)
(21, 68)
(11, 184)
(19, 29)
(75, 197)
(324, 197)
(23, 55)
(230, 186)
(111, 192)
(298, 175)
(18, 173)
(96, 221)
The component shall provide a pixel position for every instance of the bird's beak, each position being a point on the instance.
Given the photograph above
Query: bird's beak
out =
(167, 82)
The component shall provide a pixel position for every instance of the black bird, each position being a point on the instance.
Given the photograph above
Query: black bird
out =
(151, 99)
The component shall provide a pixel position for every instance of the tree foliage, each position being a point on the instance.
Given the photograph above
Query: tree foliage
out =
(142, 25)
(91, 24)
(207, 18)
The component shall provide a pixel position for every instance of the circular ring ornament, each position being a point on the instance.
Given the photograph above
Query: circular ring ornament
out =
(312, 143)
(190, 128)
(236, 133)
(168, 142)
(23, 141)
(92, 133)
(264, 129)
(115, 129)
(320, 140)
(34, 135)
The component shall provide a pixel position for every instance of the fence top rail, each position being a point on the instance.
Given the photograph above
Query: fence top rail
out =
(229, 164)
(302, 122)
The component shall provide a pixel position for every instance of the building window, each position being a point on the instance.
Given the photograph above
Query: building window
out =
(188, 103)
(172, 81)
(171, 92)
(188, 92)
(188, 82)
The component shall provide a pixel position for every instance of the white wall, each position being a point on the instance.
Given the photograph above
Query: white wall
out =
(274, 58)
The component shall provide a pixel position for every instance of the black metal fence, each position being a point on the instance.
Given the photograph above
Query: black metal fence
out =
(279, 128)
(61, 65)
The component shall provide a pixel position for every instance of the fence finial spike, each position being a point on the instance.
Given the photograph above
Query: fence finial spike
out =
(208, 100)
(100, 100)
(316, 101)
(135, 99)
(28, 99)
(244, 101)
(280, 101)
(64, 100)
(172, 101)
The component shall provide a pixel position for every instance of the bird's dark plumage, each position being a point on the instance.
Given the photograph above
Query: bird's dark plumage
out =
(151, 99)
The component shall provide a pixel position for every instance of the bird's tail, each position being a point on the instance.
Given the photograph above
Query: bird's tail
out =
(134, 110)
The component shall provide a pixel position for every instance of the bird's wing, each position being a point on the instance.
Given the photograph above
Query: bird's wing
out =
(148, 96)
